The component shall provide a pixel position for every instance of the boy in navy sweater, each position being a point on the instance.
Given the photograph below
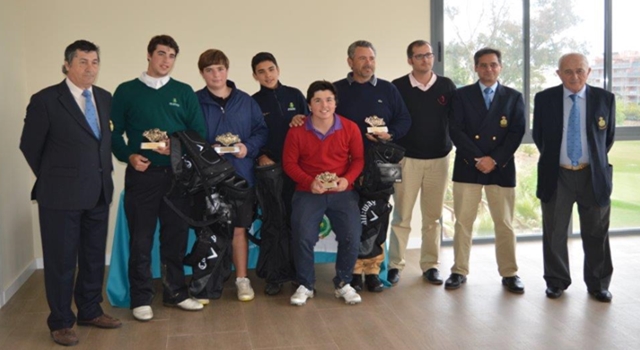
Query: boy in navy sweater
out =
(279, 104)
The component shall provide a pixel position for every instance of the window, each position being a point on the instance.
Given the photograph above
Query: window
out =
(532, 35)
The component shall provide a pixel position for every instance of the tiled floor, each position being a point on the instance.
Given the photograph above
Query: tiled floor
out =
(412, 315)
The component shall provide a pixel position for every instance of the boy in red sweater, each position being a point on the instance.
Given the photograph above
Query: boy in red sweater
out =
(326, 143)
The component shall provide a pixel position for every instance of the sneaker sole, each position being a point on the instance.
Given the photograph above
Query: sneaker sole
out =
(246, 298)
(183, 308)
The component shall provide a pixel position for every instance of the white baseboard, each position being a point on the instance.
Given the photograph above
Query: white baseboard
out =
(40, 264)
(13, 288)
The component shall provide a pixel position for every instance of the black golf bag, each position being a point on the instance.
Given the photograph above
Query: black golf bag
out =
(275, 262)
(210, 181)
(375, 186)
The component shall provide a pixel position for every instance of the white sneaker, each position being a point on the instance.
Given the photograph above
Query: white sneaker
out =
(301, 295)
(190, 304)
(349, 294)
(245, 292)
(143, 313)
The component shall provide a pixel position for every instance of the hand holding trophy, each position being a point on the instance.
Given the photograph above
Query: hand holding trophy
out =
(328, 180)
(157, 137)
(377, 125)
(228, 140)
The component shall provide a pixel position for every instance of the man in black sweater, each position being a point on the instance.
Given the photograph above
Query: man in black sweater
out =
(425, 167)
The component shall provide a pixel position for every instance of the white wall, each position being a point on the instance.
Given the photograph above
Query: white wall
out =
(309, 39)
(16, 216)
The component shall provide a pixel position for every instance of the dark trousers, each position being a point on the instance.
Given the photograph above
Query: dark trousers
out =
(144, 205)
(71, 237)
(576, 187)
(344, 214)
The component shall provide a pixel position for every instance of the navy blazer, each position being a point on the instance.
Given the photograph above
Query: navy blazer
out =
(477, 132)
(72, 167)
(547, 134)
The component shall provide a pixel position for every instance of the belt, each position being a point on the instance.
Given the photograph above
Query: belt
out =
(575, 167)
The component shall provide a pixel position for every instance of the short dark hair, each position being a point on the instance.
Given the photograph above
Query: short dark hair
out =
(416, 44)
(351, 50)
(162, 40)
(261, 57)
(71, 51)
(212, 56)
(321, 85)
(487, 51)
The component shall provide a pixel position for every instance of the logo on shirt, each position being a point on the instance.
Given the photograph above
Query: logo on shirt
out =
(442, 100)
(174, 103)
(380, 101)
(291, 107)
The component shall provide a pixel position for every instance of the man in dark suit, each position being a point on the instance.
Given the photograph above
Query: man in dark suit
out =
(67, 142)
(573, 128)
(487, 126)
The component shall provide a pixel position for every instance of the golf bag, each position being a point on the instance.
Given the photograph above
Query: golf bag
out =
(275, 262)
(210, 181)
(375, 186)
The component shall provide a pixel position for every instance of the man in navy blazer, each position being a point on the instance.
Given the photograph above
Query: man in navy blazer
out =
(66, 140)
(574, 168)
(487, 126)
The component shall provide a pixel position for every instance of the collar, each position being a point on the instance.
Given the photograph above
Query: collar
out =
(266, 89)
(337, 125)
(493, 87)
(76, 92)
(152, 82)
(582, 93)
(424, 87)
(373, 81)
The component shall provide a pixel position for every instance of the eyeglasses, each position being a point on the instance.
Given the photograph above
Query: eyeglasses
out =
(422, 56)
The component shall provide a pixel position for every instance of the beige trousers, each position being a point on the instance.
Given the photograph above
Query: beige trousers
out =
(429, 177)
(369, 266)
(501, 201)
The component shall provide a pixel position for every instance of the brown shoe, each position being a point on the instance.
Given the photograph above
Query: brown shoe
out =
(65, 336)
(102, 321)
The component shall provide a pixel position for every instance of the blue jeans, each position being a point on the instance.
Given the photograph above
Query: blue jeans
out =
(344, 213)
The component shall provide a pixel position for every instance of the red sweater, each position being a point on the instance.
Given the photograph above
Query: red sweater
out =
(305, 155)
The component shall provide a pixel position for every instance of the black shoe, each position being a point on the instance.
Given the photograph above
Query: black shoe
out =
(454, 281)
(432, 276)
(356, 282)
(554, 292)
(513, 284)
(603, 296)
(393, 276)
(272, 288)
(373, 283)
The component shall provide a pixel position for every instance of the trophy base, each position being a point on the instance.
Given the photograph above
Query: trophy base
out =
(329, 185)
(223, 150)
(152, 145)
(377, 129)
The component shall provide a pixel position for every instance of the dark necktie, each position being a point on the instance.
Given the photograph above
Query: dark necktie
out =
(91, 114)
(574, 142)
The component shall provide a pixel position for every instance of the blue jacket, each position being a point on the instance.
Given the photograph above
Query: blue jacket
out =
(477, 132)
(241, 116)
(279, 106)
(547, 134)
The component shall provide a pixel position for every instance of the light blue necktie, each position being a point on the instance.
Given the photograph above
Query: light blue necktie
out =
(574, 144)
(487, 97)
(90, 113)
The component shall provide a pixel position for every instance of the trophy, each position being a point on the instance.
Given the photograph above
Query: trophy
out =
(328, 180)
(227, 140)
(157, 138)
(377, 124)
